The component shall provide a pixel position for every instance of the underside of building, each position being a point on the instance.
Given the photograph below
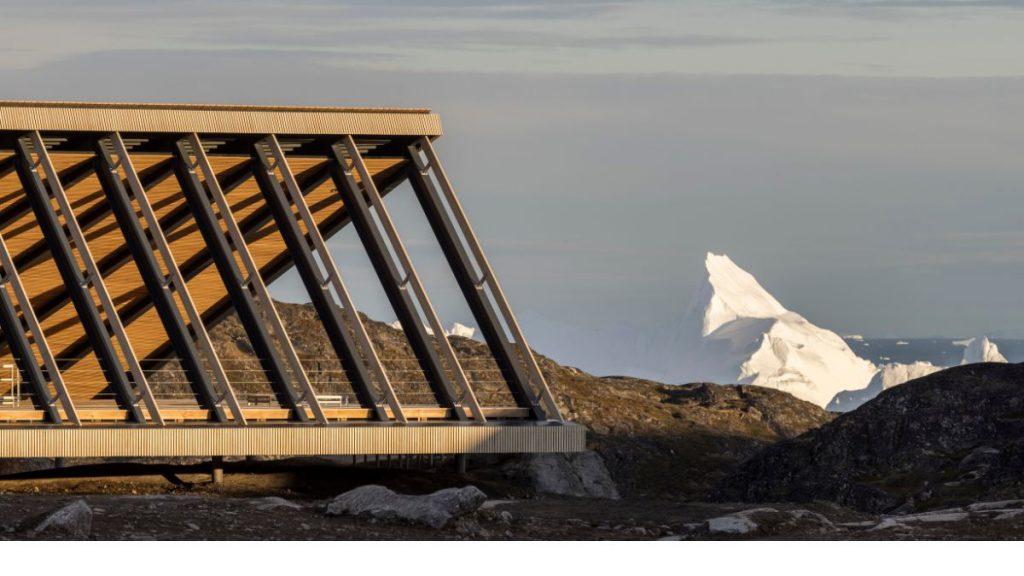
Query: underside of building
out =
(128, 230)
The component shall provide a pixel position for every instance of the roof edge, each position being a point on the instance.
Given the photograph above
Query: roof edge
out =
(216, 118)
(207, 106)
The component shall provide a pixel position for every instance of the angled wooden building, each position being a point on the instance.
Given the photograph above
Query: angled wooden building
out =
(127, 230)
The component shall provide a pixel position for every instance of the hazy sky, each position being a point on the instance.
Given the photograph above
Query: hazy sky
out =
(865, 160)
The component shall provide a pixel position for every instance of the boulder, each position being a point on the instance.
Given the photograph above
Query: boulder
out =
(766, 522)
(72, 522)
(581, 474)
(435, 510)
(732, 524)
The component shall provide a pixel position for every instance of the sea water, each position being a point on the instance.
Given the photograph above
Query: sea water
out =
(938, 351)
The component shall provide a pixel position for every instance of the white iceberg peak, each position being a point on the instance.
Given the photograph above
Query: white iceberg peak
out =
(461, 330)
(457, 329)
(730, 292)
(981, 349)
(736, 332)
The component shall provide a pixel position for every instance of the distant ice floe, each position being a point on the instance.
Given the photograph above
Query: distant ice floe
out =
(457, 329)
(979, 349)
(888, 376)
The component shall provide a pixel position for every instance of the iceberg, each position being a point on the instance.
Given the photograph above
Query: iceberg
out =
(734, 331)
(457, 329)
(981, 349)
(888, 376)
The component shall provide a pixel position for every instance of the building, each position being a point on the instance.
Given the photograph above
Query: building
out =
(129, 229)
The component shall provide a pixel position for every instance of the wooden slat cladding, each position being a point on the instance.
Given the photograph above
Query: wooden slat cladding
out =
(213, 119)
(261, 415)
(42, 279)
(112, 441)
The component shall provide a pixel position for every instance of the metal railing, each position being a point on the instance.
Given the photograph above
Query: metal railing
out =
(172, 388)
(11, 382)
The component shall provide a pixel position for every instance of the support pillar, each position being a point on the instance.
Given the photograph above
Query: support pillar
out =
(217, 470)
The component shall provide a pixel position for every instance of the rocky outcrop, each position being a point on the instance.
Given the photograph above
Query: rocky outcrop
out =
(435, 510)
(582, 475)
(953, 437)
(678, 441)
(72, 522)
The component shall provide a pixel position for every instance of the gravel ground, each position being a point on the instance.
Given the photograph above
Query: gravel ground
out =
(285, 501)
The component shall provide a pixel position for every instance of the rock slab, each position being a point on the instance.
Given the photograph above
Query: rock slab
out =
(72, 522)
(435, 510)
(582, 475)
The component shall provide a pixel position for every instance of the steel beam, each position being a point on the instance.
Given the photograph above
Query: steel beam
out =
(77, 283)
(347, 333)
(157, 285)
(21, 348)
(249, 295)
(400, 281)
(477, 281)
(69, 177)
(176, 279)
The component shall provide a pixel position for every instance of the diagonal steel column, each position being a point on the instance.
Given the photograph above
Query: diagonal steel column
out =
(157, 284)
(478, 283)
(249, 295)
(398, 276)
(77, 283)
(22, 348)
(175, 278)
(353, 348)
